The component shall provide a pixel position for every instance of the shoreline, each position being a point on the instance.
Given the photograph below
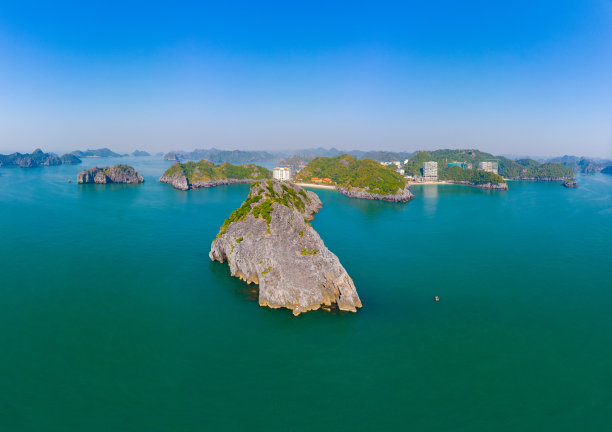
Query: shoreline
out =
(409, 183)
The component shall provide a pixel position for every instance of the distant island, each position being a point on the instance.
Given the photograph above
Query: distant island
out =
(191, 175)
(103, 152)
(140, 153)
(607, 170)
(269, 241)
(114, 174)
(219, 156)
(581, 164)
(356, 178)
(37, 158)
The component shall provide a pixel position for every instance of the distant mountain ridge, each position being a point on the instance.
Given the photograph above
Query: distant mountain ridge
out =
(219, 156)
(37, 158)
(140, 153)
(102, 152)
(581, 164)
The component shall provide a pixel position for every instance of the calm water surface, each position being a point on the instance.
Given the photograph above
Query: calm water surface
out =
(112, 317)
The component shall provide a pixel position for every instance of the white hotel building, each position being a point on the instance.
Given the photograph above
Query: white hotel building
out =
(281, 173)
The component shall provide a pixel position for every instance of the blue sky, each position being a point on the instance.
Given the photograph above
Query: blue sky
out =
(519, 77)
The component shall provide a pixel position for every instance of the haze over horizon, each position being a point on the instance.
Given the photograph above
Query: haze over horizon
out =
(516, 78)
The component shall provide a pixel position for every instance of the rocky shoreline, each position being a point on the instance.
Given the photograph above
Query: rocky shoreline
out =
(488, 186)
(114, 174)
(268, 241)
(404, 195)
(179, 181)
(543, 179)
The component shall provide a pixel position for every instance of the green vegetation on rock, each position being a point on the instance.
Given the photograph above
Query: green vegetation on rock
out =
(346, 171)
(476, 177)
(307, 251)
(524, 168)
(260, 205)
(207, 171)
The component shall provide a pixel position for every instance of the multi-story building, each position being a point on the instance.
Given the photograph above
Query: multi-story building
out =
(489, 166)
(430, 171)
(281, 173)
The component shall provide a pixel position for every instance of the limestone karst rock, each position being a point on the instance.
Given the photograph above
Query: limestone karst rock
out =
(269, 241)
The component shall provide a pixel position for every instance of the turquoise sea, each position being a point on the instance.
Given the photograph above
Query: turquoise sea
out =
(113, 318)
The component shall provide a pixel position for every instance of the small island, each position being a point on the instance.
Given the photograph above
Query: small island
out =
(140, 153)
(356, 178)
(607, 170)
(102, 152)
(37, 158)
(269, 241)
(114, 174)
(190, 175)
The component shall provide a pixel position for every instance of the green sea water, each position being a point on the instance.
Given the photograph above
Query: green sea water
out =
(113, 318)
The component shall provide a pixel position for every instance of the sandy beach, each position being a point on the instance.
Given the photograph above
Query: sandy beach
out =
(315, 185)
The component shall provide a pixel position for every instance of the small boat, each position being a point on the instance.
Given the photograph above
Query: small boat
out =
(570, 184)
(436, 298)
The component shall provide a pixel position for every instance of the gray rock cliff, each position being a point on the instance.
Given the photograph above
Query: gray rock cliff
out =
(114, 174)
(402, 195)
(268, 241)
(179, 181)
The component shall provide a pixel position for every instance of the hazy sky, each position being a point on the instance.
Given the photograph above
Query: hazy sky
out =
(515, 77)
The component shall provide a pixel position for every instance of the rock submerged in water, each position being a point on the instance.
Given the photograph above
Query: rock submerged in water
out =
(114, 174)
(268, 241)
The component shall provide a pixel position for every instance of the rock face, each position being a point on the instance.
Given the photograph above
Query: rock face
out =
(268, 241)
(114, 174)
(491, 186)
(179, 181)
(403, 195)
(70, 159)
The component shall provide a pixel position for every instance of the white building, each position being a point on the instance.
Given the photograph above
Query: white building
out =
(488, 167)
(281, 173)
(396, 163)
(430, 171)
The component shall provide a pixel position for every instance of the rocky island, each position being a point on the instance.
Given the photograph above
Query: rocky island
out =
(269, 241)
(114, 174)
(102, 152)
(37, 158)
(357, 178)
(190, 175)
(140, 153)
